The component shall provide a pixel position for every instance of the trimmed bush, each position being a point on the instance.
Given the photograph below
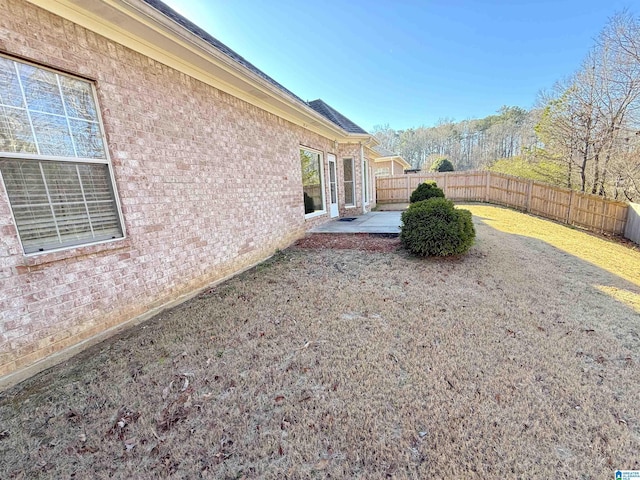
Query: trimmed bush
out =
(435, 227)
(426, 191)
(442, 165)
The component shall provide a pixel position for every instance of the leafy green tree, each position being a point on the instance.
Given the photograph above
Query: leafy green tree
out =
(442, 165)
(541, 170)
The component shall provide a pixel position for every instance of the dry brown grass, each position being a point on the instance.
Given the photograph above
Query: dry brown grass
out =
(507, 363)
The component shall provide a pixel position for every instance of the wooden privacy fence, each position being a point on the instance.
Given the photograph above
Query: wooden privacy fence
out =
(562, 204)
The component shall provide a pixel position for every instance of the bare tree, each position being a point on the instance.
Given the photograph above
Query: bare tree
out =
(585, 123)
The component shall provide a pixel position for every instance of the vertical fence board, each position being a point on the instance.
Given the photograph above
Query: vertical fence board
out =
(562, 204)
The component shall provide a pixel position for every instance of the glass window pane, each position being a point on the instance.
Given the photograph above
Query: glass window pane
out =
(64, 124)
(348, 169)
(104, 220)
(87, 138)
(96, 182)
(53, 136)
(41, 89)
(73, 222)
(311, 181)
(23, 181)
(348, 181)
(10, 93)
(36, 225)
(16, 135)
(348, 194)
(78, 98)
(63, 182)
(65, 217)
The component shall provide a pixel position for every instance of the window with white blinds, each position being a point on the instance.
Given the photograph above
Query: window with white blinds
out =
(53, 162)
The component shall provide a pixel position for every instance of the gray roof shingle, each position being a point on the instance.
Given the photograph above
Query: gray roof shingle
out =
(384, 152)
(336, 117)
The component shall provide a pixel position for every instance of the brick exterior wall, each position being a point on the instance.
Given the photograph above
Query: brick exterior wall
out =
(208, 185)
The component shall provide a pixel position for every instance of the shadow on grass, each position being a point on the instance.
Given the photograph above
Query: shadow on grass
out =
(600, 298)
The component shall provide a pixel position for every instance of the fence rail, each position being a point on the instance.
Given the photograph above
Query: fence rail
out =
(591, 212)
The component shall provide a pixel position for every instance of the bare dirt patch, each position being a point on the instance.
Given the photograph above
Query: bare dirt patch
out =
(351, 241)
(343, 363)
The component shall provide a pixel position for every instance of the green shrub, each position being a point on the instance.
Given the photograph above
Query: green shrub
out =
(426, 191)
(442, 165)
(435, 227)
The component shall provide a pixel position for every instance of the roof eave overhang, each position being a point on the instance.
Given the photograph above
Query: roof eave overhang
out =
(397, 158)
(362, 138)
(138, 26)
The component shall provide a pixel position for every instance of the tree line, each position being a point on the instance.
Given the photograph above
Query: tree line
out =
(584, 133)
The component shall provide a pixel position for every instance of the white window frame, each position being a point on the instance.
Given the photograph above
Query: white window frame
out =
(353, 183)
(36, 157)
(323, 183)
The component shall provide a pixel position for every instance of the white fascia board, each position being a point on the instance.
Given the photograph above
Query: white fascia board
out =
(143, 29)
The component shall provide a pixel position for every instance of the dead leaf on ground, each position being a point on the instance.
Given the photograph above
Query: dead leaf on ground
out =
(167, 390)
(124, 418)
(130, 443)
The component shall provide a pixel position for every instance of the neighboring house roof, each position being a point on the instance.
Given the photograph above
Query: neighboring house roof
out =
(196, 30)
(386, 155)
(336, 117)
(384, 152)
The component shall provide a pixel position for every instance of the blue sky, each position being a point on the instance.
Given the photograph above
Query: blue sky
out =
(409, 63)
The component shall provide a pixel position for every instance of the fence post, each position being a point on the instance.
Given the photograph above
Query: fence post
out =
(408, 192)
(486, 192)
(527, 207)
(446, 192)
(570, 209)
(604, 211)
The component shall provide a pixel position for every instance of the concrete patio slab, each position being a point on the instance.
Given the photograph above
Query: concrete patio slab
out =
(373, 222)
